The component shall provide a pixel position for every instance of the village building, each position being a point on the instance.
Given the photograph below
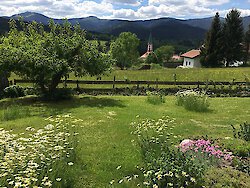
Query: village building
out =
(191, 59)
(149, 49)
(176, 57)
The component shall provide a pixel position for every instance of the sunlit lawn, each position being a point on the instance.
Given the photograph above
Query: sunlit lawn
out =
(104, 135)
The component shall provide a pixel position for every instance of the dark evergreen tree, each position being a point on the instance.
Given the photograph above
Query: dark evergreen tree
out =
(247, 43)
(233, 32)
(211, 52)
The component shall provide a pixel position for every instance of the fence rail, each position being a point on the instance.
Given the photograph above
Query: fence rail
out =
(128, 82)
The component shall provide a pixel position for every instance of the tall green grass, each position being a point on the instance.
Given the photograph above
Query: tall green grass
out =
(193, 101)
(167, 74)
(14, 112)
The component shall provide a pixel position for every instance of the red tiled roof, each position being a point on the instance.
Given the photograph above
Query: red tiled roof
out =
(145, 55)
(191, 54)
(177, 57)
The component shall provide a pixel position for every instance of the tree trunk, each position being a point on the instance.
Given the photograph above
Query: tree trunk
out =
(55, 81)
(3, 82)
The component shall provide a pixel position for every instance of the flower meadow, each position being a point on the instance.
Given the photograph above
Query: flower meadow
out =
(35, 157)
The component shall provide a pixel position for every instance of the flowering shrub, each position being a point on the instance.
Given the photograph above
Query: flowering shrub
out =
(31, 158)
(192, 100)
(164, 164)
(155, 97)
(204, 151)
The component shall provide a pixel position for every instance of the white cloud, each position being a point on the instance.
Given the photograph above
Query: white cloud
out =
(152, 11)
(56, 8)
(124, 2)
(112, 8)
(203, 3)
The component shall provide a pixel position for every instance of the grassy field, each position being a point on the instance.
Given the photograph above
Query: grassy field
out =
(203, 74)
(104, 140)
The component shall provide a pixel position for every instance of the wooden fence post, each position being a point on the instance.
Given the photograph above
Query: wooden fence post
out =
(77, 84)
(174, 76)
(114, 83)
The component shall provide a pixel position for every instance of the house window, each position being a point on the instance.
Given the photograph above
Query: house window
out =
(186, 63)
(189, 63)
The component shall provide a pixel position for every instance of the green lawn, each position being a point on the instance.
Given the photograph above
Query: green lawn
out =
(105, 133)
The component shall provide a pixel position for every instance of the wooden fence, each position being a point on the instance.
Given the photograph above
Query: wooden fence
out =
(155, 83)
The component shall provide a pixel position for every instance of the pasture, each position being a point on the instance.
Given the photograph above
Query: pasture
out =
(104, 150)
(165, 74)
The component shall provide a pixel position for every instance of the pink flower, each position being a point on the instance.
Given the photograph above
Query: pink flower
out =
(204, 146)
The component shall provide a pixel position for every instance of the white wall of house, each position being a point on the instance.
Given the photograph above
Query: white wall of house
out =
(191, 63)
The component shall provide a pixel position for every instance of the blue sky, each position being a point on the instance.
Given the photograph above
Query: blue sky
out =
(125, 9)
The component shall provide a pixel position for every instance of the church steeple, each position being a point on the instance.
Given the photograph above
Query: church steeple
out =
(150, 43)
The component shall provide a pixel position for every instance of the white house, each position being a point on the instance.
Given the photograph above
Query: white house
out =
(191, 59)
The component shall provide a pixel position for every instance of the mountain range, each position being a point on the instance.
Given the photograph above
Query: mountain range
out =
(162, 29)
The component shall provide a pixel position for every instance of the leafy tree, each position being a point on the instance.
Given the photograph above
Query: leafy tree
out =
(125, 49)
(233, 33)
(164, 53)
(47, 57)
(152, 58)
(247, 43)
(211, 53)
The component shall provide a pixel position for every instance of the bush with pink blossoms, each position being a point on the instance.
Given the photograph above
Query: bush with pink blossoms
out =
(205, 151)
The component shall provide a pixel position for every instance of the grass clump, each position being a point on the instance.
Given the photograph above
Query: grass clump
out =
(15, 112)
(155, 97)
(193, 100)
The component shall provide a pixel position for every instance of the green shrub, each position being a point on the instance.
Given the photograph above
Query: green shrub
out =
(155, 97)
(30, 91)
(192, 100)
(14, 91)
(226, 178)
(156, 66)
(243, 132)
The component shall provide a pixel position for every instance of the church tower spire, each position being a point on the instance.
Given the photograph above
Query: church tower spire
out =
(150, 43)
